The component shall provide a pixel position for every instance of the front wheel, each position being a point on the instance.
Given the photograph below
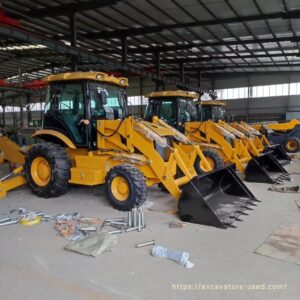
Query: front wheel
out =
(125, 187)
(214, 159)
(292, 144)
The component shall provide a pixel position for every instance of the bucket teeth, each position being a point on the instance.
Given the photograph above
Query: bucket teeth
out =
(232, 226)
(256, 200)
(236, 218)
(242, 213)
(246, 207)
(251, 203)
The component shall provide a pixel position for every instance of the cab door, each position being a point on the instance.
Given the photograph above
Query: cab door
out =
(64, 110)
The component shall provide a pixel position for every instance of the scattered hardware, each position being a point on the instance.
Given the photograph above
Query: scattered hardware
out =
(145, 244)
(89, 229)
(284, 189)
(5, 220)
(115, 231)
(175, 255)
(173, 224)
(71, 226)
(135, 222)
(68, 229)
(31, 220)
(297, 203)
(9, 222)
(131, 229)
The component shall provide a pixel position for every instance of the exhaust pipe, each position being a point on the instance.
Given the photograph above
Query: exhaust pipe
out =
(216, 199)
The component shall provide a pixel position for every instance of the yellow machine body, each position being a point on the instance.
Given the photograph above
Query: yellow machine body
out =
(232, 149)
(283, 127)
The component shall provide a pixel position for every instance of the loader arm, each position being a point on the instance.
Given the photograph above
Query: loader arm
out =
(232, 148)
(130, 135)
(262, 144)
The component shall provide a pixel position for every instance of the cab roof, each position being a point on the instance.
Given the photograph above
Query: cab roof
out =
(177, 93)
(212, 102)
(96, 76)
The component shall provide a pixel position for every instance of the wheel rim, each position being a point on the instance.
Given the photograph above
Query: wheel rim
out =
(40, 171)
(120, 188)
(210, 161)
(292, 145)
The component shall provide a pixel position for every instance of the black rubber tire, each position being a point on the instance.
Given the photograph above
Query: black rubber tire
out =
(137, 186)
(296, 140)
(60, 165)
(214, 155)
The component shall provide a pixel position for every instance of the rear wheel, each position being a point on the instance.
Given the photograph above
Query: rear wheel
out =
(126, 187)
(213, 157)
(47, 169)
(292, 144)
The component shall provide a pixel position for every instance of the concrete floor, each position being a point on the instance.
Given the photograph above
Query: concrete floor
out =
(34, 264)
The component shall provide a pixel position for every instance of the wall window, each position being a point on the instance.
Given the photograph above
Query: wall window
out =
(137, 100)
(260, 91)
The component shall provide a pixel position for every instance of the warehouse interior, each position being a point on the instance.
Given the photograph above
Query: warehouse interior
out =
(240, 58)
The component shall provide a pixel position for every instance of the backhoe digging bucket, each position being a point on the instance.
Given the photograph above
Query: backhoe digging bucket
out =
(215, 199)
(280, 154)
(265, 169)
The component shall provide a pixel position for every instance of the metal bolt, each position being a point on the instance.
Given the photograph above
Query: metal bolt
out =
(131, 229)
(5, 220)
(145, 244)
(115, 220)
(10, 222)
(90, 228)
(118, 223)
(129, 219)
(142, 218)
(139, 221)
(115, 231)
(134, 217)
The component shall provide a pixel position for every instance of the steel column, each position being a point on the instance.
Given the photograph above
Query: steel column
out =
(73, 40)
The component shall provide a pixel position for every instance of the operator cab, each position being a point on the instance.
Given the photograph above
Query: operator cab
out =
(211, 110)
(173, 107)
(75, 101)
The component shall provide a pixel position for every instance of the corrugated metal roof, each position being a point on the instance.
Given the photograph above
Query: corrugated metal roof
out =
(219, 38)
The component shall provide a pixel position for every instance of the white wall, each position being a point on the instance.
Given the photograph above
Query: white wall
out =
(259, 109)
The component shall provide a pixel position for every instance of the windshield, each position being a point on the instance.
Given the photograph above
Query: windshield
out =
(107, 101)
(164, 108)
(187, 110)
(210, 112)
(172, 110)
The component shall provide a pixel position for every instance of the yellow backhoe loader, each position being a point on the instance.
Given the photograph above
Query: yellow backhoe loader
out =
(89, 139)
(255, 142)
(178, 109)
(260, 143)
(285, 133)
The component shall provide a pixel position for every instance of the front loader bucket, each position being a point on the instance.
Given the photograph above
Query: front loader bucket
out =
(280, 154)
(215, 199)
(265, 169)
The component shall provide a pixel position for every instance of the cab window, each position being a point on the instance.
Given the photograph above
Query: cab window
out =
(106, 101)
(187, 111)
